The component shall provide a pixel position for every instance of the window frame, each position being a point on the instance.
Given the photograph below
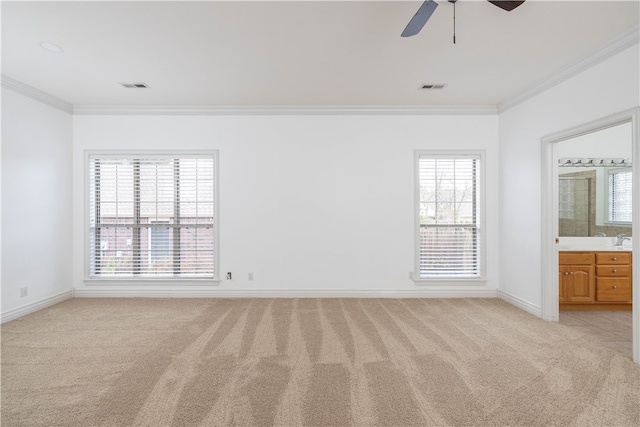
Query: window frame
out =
(481, 278)
(608, 220)
(128, 280)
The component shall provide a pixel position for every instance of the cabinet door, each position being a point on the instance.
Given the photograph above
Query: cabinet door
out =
(580, 285)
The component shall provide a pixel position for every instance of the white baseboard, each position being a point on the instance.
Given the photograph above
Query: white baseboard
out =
(520, 303)
(217, 293)
(35, 306)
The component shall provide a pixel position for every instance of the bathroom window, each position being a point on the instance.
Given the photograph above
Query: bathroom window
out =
(151, 216)
(619, 204)
(449, 241)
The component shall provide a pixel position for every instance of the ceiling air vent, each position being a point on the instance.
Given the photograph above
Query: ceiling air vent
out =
(433, 86)
(135, 85)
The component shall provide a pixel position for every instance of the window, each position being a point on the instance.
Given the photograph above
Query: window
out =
(449, 242)
(152, 216)
(619, 203)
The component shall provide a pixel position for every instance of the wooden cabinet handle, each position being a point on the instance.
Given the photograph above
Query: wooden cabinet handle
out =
(615, 258)
(615, 286)
(615, 271)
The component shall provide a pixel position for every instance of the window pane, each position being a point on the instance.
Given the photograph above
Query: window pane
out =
(134, 231)
(449, 209)
(620, 196)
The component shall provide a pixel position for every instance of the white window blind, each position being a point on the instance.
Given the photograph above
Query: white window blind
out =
(620, 196)
(450, 216)
(151, 216)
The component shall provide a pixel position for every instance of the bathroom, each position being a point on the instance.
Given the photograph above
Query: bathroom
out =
(595, 234)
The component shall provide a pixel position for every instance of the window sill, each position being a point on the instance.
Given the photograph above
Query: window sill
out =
(152, 282)
(451, 281)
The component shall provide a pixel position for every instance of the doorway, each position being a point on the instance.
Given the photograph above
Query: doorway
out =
(551, 217)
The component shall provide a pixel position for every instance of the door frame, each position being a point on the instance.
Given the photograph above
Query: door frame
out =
(549, 306)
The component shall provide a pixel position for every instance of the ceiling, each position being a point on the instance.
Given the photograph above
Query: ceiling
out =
(300, 53)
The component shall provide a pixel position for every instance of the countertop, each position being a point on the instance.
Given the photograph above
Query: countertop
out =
(593, 244)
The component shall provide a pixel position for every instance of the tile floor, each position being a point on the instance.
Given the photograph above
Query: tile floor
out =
(612, 328)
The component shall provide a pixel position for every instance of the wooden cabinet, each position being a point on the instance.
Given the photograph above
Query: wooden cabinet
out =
(576, 280)
(594, 280)
(613, 277)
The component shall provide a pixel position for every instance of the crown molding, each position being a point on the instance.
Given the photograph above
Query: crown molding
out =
(622, 43)
(212, 110)
(36, 94)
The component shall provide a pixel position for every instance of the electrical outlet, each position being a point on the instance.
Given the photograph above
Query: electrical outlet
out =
(24, 292)
(250, 276)
(229, 276)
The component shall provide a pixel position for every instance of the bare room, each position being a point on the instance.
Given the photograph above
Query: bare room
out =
(320, 213)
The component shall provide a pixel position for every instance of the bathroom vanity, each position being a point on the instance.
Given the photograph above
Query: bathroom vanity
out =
(592, 276)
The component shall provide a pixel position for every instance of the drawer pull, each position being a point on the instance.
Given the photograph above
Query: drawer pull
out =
(571, 272)
(566, 273)
(615, 286)
(615, 258)
(615, 271)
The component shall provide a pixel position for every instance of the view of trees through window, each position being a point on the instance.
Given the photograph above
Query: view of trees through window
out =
(449, 216)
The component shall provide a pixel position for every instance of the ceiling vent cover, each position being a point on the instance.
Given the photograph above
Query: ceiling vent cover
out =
(135, 85)
(433, 86)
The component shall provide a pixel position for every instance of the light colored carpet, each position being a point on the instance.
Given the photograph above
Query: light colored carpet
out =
(184, 362)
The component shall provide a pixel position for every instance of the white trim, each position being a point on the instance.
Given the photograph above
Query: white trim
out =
(625, 41)
(150, 281)
(635, 230)
(217, 110)
(35, 306)
(36, 94)
(276, 293)
(549, 214)
(549, 307)
(520, 303)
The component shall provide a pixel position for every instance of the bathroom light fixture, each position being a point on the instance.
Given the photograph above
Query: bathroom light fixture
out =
(51, 47)
(594, 162)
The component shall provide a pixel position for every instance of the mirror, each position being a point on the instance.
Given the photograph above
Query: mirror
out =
(595, 175)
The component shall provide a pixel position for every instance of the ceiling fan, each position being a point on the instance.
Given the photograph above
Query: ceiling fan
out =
(429, 6)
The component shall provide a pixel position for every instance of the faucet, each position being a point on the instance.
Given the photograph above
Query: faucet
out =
(621, 238)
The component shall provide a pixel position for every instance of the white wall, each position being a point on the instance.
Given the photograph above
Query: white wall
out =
(609, 87)
(613, 142)
(321, 203)
(36, 201)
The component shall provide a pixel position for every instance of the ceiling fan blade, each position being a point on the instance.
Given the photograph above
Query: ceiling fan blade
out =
(420, 18)
(506, 5)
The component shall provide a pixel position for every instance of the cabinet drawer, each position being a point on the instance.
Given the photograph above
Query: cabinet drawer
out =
(613, 258)
(613, 290)
(613, 270)
(575, 258)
